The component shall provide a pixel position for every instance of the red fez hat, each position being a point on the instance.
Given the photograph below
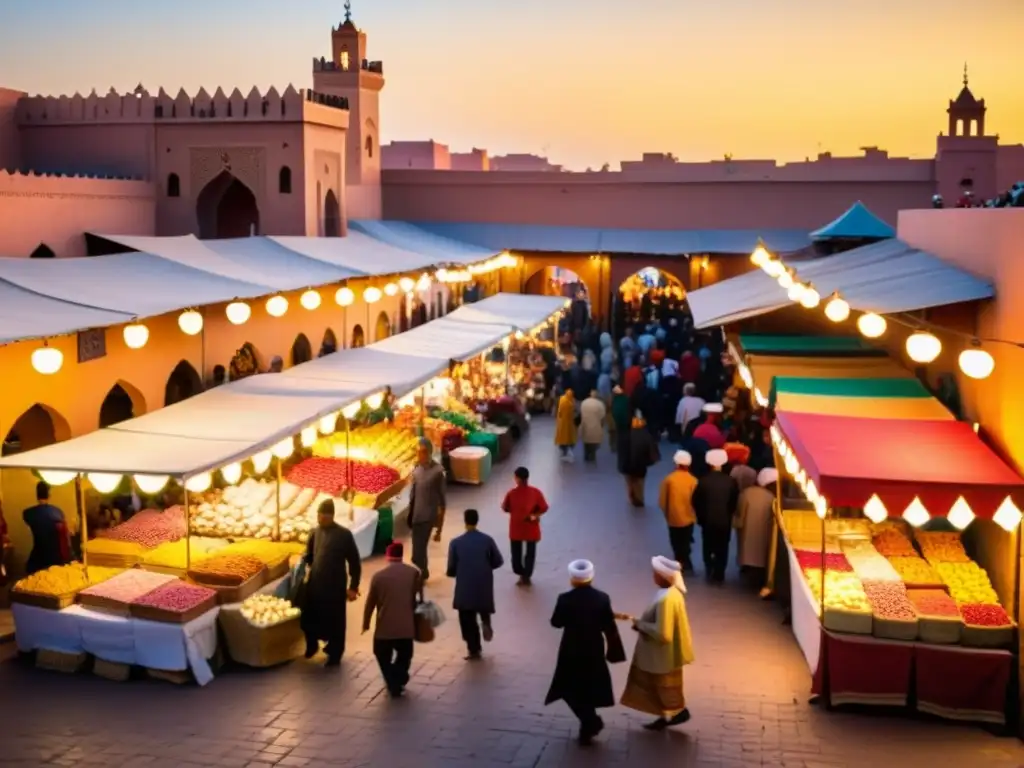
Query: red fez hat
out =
(394, 551)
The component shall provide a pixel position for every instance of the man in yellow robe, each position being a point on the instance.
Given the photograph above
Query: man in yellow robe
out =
(663, 648)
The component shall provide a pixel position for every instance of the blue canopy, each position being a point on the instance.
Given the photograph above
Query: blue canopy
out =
(857, 223)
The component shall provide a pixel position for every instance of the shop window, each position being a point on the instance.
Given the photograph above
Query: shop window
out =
(173, 185)
(284, 180)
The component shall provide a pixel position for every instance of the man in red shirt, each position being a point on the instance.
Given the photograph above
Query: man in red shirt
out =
(524, 505)
(632, 377)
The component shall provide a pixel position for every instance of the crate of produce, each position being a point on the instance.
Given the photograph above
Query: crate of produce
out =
(939, 619)
(894, 629)
(916, 573)
(986, 626)
(111, 670)
(173, 556)
(60, 661)
(847, 621)
(175, 603)
(115, 594)
(40, 600)
(941, 547)
(57, 587)
(940, 630)
(895, 617)
(470, 464)
(228, 570)
(263, 632)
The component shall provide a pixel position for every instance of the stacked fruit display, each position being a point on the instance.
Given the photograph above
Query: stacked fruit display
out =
(991, 616)
(149, 528)
(267, 552)
(915, 572)
(933, 603)
(892, 542)
(123, 589)
(65, 579)
(175, 597)
(809, 560)
(968, 583)
(843, 590)
(392, 446)
(268, 610)
(441, 434)
(175, 554)
(941, 547)
(251, 510)
(333, 476)
(889, 601)
(226, 569)
(867, 563)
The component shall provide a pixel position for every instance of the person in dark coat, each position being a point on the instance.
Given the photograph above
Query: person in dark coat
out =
(641, 453)
(51, 543)
(472, 559)
(334, 572)
(715, 500)
(590, 642)
(621, 417)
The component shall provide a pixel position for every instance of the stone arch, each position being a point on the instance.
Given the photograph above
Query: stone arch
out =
(122, 402)
(284, 180)
(540, 282)
(358, 337)
(383, 329)
(332, 215)
(183, 383)
(302, 350)
(226, 207)
(329, 344)
(665, 278)
(173, 185)
(38, 426)
(42, 251)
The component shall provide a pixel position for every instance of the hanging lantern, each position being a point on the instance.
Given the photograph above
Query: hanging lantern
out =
(871, 325)
(283, 449)
(57, 477)
(372, 295)
(231, 473)
(821, 507)
(760, 256)
(238, 312)
(261, 461)
(406, 284)
(135, 335)
(810, 299)
(785, 281)
(277, 306)
(875, 510)
(1007, 517)
(310, 300)
(344, 297)
(916, 514)
(424, 283)
(976, 363)
(151, 483)
(391, 289)
(47, 360)
(774, 268)
(441, 275)
(308, 437)
(351, 410)
(199, 483)
(375, 401)
(104, 482)
(923, 347)
(837, 310)
(960, 515)
(796, 292)
(190, 322)
(329, 423)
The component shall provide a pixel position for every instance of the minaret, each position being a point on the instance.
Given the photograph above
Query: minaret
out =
(350, 74)
(966, 113)
(965, 160)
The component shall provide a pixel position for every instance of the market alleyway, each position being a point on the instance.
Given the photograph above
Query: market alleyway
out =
(747, 691)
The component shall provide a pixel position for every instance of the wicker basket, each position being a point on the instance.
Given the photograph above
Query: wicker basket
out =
(895, 629)
(60, 661)
(848, 622)
(150, 613)
(978, 636)
(111, 670)
(39, 600)
(941, 630)
(182, 677)
(219, 581)
(236, 594)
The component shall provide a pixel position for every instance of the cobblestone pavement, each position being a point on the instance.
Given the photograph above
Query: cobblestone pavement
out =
(748, 689)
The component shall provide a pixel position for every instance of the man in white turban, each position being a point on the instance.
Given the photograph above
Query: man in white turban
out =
(714, 502)
(675, 497)
(754, 520)
(590, 642)
(664, 646)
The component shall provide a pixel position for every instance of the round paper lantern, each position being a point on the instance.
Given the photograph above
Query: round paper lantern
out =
(796, 292)
(391, 289)
(104, 482)
(375, 401)
(759, 256)
(308, 437)
(344, 297)
(424, 283)
(238, 312)
(231, 473)
(329, 423)
(190, 322)
(923, 347)
(372, 295)
(283, 449)
(277, 306)
(310, 300)
(151, 483)
(810, 299)
(261, 461)
(56, 477)
(837, 310)
(135, 335)
(774, 268)
(976, 363)
(47, 360)
(406, 284)
(199, 483)
(871, 325)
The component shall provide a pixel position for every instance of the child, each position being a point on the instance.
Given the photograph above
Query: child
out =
(524, 505)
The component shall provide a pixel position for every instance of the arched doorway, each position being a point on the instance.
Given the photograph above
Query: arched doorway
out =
(302, 350)
(227, 208)
(183, 383)
(358, 337)
(122, 402)
(246, 362)
(332, 215)
(556, 281)
(383, 327)
(329, 344)
(404, 313)
(37, 427)
(649, 295)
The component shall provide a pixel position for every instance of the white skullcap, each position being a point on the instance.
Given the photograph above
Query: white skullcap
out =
(669, 570)
(713, 408)
(767, 476)
(717, 458)
(581, 570)
(682, 458)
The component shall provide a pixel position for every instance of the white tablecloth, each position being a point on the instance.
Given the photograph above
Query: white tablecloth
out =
(153, 644)
(804, 613)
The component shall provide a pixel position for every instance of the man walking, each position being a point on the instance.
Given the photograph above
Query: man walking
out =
(676, 501)
(524, 505)
(714, 501)
(334, 571)
(392, 596)
(472, 559)
(426, 504)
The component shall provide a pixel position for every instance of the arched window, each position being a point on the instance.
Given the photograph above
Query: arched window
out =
(173, 185)
(369, 146)
(284, 180)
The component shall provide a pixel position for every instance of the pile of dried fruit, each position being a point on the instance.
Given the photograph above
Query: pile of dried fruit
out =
(65, 579)
(226, 569)
(128, 586)
(933, 602)
(985, 615)
(915, 572)
(833, 562)
(176, 597)
(150, 527)
(889, 600)
(968, 583)
(942, 547)
(891, 542)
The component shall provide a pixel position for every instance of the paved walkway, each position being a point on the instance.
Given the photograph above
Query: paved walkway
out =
(747, 690)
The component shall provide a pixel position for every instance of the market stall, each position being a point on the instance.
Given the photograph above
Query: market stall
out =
(892, 398)
(805, 346)
(888, 605)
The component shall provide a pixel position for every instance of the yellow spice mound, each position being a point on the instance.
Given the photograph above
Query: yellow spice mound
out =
(101, 546)
(267, 552)
(173, 554)
(65, 579)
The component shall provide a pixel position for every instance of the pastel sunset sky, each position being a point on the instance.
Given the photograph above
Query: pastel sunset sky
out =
(582, 81)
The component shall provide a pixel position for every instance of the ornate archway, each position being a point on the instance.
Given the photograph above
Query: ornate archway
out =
(183, 383)
(302, 350)
(122, 402)
(555, 281)
(37, 427)
(226, 207)
(332, 215)
(329, 343)
(358, 337)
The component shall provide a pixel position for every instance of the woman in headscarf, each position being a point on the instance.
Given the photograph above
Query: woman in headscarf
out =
(565, 425)
(641, 454)
(664, 646)
(754, 520)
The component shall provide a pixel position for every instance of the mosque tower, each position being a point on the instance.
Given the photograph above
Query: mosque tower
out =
(350, 74)
(965, 159)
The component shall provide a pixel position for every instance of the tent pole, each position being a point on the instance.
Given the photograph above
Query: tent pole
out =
(777, 528)
(277, 502)
(83, 527)
(188, 528)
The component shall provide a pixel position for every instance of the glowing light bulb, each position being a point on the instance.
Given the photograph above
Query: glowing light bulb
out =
(923, 347)
(372, 295)
(308, 437)
(773, 268)
(231, 473)
(871, 325)
(875, 510)
(283, 449)
(960, 514)
(261, 461)
(47, 360)
(424, 283)
(796, 292)
(310, 300)
(810, 299)
(104, 482)
(821, 507)
(916, 514)
(837, 310)
(374, 401)
(199, 483)
(329, 423)
(277, 306)
(238, 312)
(391, 289)
(976, 363)
(56, 477)
(351, 410)
(135, 335)
(1007, 517)
(151, 483)
(344, 297)
(190, 322)
(759, 256)
(406, 284)
(785, 281)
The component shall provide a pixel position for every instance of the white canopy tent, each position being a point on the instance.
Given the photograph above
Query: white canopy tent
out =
(409, 237)
(522, 312)
(445, 339)
(886, 277)
(28, 315)
(369, 367)
(360, 252)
